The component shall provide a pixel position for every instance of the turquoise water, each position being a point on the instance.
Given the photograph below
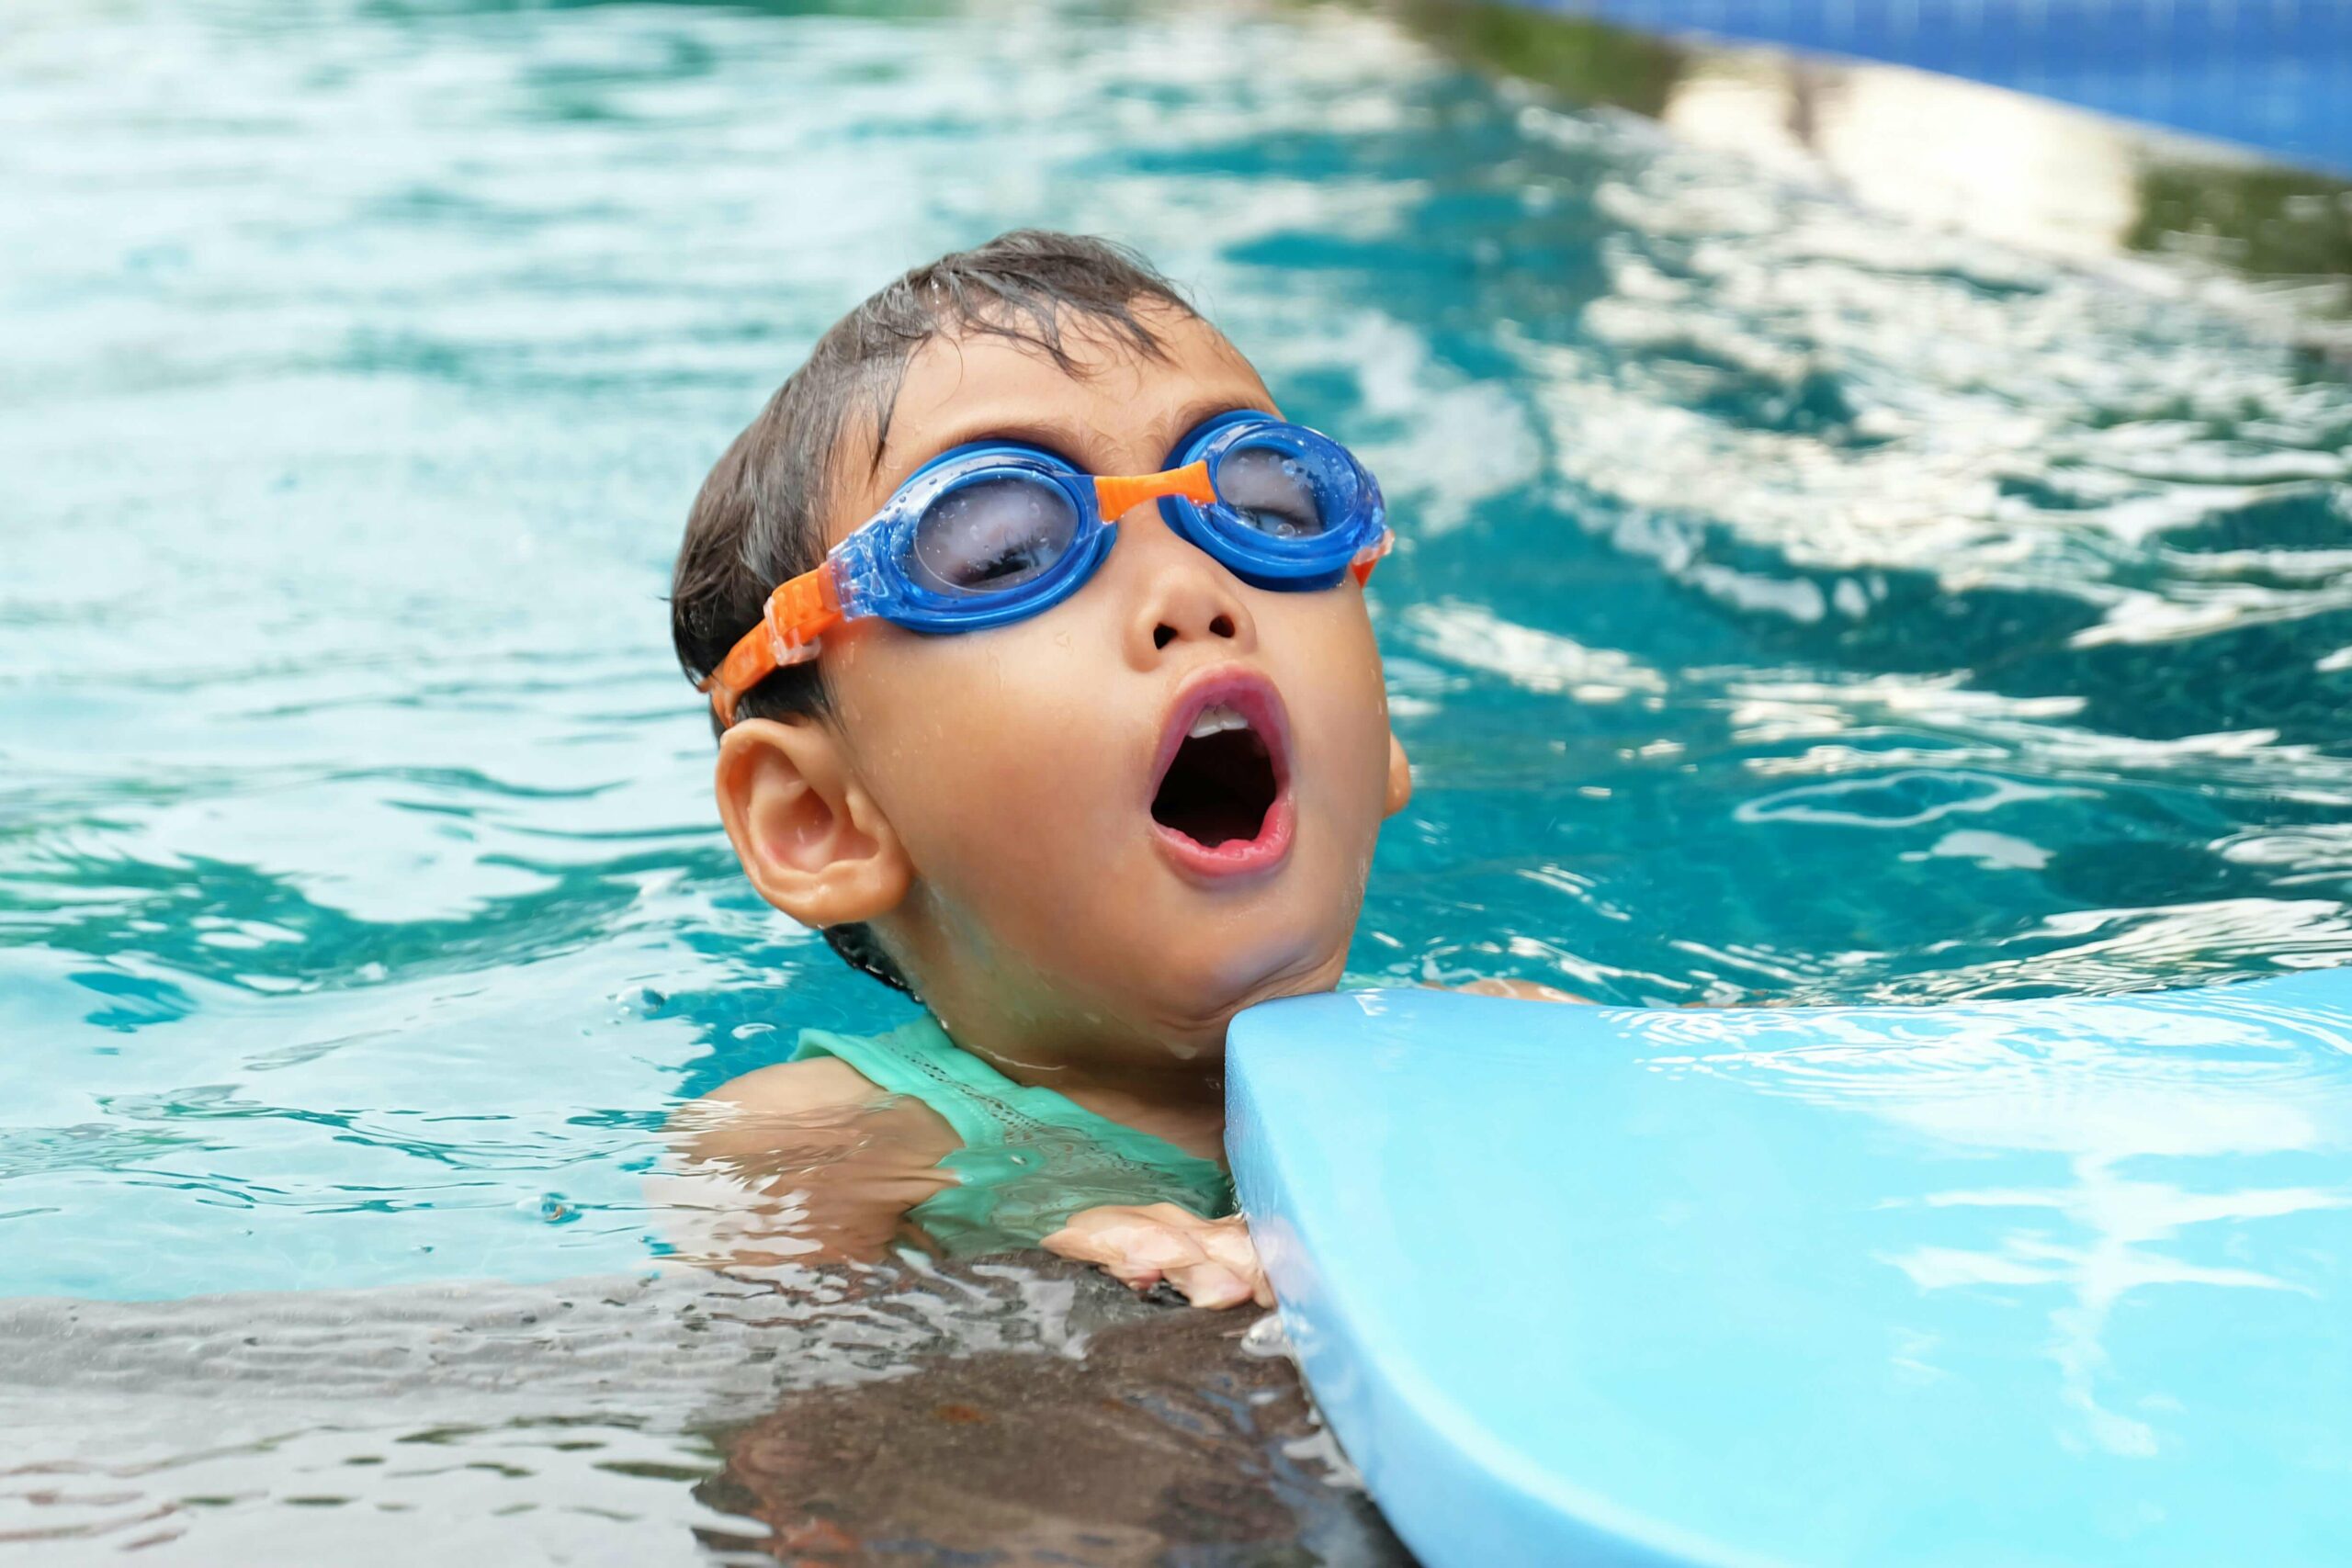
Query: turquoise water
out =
(1795, 602)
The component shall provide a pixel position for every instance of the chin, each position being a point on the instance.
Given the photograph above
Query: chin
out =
(1198, 996)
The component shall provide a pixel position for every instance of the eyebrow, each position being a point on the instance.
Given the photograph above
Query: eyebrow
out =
(1063, 438)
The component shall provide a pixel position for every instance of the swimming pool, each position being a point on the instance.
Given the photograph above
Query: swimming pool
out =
(2270, 76)
(1798, 600)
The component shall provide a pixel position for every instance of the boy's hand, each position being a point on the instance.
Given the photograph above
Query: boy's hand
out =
(1523, 990)
(1212, 1261)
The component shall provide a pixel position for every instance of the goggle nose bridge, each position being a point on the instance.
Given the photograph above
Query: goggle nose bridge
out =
(1116, 495)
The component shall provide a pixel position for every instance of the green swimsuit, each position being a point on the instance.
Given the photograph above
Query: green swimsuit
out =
(1031, 1158)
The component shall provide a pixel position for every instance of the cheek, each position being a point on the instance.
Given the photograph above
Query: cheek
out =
(993, 756)
(1013, 765)
(1338, 705)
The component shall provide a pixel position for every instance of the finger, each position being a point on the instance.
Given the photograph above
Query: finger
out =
(1137, 1279)
(1229, 1242)
(1136, 1253)
(1164, 1247)
(1100, 1234)
(1206, 1285)
(1253, 1275)
(1081, 1245)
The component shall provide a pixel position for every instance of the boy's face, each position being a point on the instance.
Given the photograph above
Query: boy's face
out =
(1082, 853)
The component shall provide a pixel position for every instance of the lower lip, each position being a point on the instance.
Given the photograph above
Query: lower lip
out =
(1234, 857)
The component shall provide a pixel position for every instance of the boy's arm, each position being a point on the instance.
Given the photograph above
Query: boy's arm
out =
(808, 1162)
(805, 1162)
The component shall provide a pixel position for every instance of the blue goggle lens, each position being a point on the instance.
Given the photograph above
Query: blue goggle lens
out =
(1277, 491)
(991, 533)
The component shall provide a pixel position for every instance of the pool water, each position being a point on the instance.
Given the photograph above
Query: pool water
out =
(1797, 600)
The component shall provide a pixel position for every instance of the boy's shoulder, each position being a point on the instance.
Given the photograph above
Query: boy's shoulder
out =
(746, 1117)
(811, 1084)
(800, 1104)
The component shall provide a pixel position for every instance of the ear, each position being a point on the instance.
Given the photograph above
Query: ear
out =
(811, 839)
(1400, 778)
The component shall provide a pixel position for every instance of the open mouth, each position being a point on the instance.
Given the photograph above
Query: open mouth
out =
(1220, 784)
(1221, 802)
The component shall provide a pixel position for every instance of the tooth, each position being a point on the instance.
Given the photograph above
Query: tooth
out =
(1216, 721)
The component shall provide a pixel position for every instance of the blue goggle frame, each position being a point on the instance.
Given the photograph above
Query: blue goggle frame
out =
(867, 573)
(872, 579)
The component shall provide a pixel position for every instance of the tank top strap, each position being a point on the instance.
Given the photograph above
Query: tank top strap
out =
(919, 1061)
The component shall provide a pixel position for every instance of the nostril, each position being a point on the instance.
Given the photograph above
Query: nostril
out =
(1162, 636)
(1222, 626)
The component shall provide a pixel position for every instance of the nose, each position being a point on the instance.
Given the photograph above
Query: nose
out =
(1179, 597)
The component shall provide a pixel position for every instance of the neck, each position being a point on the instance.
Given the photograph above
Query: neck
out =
(1173, 1089)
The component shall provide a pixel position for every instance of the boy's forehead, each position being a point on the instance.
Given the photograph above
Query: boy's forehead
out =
(1119, 414)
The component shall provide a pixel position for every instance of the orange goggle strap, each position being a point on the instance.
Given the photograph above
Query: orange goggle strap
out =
(1369, 557)
(797, 613)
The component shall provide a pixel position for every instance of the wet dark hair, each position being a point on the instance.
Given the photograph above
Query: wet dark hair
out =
(759, 519)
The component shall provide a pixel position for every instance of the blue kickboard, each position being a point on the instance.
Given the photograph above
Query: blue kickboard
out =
(2014, 1283)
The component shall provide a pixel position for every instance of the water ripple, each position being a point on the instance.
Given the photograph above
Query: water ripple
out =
(1801, 595)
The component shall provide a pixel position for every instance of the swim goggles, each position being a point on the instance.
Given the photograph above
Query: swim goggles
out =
(998, 531)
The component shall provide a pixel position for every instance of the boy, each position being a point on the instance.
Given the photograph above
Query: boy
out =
(1086, 765)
